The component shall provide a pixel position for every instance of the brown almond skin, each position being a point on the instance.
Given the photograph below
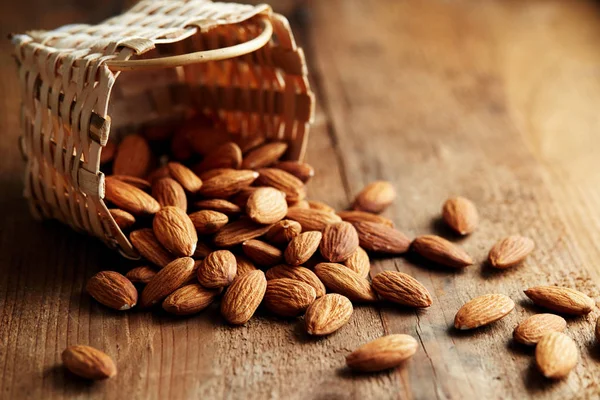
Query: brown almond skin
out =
(302, 247)
(375, 197)
(300, 170)
(143, 274)
(227, 183)
(133, 157)
(380, 238)
(140, 183)
(243, 297)
(556, 355)
(175, 231)
(207, 222)
(353, 216)
(218, 269)
(312, 220)
(167, 280)
(168, 192)
(129, 198)
(262, 253)
(281, 180)
(288, 297)
(202, 250)
(219, 205)
(159, 173)
(238, 232)
(299, 273)
(460, 214)
(401, 288)
(327, 314)
(248, 143)
(266, 206)
(531, 331)
(244, 266)
(340, 279)
(146, 243)
(264, 156)
(283, 231)
(123, 219)
(88, 362)
(560, 299)
(226, 155)
(359, 262)
(300, 204)
(510, 251)
(206, 175)
(112, 290)
(340, 241)
(189, 299)
(483, 310)
(319, 205)
(441, 251)
(383, 353)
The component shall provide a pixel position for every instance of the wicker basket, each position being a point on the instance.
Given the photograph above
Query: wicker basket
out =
(239, 62)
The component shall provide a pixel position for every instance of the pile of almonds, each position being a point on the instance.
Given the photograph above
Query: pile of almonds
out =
(220, 219)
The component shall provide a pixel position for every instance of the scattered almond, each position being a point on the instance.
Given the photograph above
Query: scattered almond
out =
(319, 205)
(207, 221)
(113, 290)
(327, 314)
(262, 253)
(244, 266)
(359, 262)
(561, 299)
(381, 238)
(243, 297)
(264, 156)
(149, 247)
(556, 355)
(283, 231)
(288, 297)
(483, 310)
(123, 219)
(281, 180)
(226, 155)
(300, 170)
(189, 299)
(312, 220)
(219, 205)
(401, 288)
(185, 176)
(238, 232)
(383, 353)
(88, 362)
(531, 330)
(302, 247)
(227, 183)
(139, 183)
(133, 157)
(218, 269)
(441, 251)
(375, 197)
(143, 274)
(339, 242)
(175, 230)
(510, 251)
(168, 192)
(266, 206)
(353, 216)
(167, 280)
(460, 214)
(130, 198)
(340, 279)
(298, 273)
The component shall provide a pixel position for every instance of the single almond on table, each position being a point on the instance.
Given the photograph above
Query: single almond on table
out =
(561, 299)
(143, 274)
(327, 314)
(113, 290)
(168, 192)
(510, 251)
(264, 156)
(108, 152)
(401, 288)
(341, 279)
(207, 221)
(381, 238)
(460, 214)
(175, 230)
(167, 280)
(319, 205)
(283, 231)
(262, 253)
(266, 205)
(228, 183)
(140, 183)
(359, 262)
(238, 232)
(130, 198)
(218, 269)
(123, 219)
(88, 362)
(146, 243)
(312, 220)
(226, 155)
(298, 273)
(483, 310)
(353, 216)
(531, 330)
(281, 180)
(556, 355)
(288, 297)
(189, 299)
(243, 297)
(300, 170)
(441, 251)
(219, 205)
(302, 247)
(383, 353)
(339, 242)
(244, 266)
(375, 197)
(185, 176)
(133, 157)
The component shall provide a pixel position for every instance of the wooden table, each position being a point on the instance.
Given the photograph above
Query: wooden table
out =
(496, 101)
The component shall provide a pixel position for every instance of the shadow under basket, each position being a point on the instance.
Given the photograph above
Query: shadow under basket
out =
(160, 62)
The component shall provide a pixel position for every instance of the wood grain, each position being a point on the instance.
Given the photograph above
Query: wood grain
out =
(495, 101)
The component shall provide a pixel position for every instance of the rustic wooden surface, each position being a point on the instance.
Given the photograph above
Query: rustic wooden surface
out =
(497, 101)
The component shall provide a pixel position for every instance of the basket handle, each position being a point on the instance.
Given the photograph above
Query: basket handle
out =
(198, 56)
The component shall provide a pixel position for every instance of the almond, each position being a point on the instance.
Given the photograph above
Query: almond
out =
(460, 214)
(401, 288)
(238, 232)
(226, 155)
(207, 221)
(130, 198)
(561, 299)
(264, 155)
(319, 205)
(556, 355)
(312, 220)
(363, 216)
(168, 192)
(262, 253)
(302, 247)
(359, 262)
(339, 242)
(185, 176)
(149, 247)
(327, 314)
(228, 183)
(122, 218)
(88, 362)
(241, 198)
(211, 173)
(281, 180)
(133, 157)
(167, 280)
(243, 297)
(217, 270)
(531, 330)
(441, 251)
(300, 170)
(202, 250)
(375, 197)
(510, 251)
(283, 231)
(340, 279)
(219, 205)
(113, 290)
(288, 297)
(266, 206)
(298, 273)
(175, 230)
(159, 173)
(299, 204)
(108, 152)
(139, 183)
(483, 310)
(248, 143)
(143, 274)
(189, 299)
(244, 266)
(383, 353)
(381, 238)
